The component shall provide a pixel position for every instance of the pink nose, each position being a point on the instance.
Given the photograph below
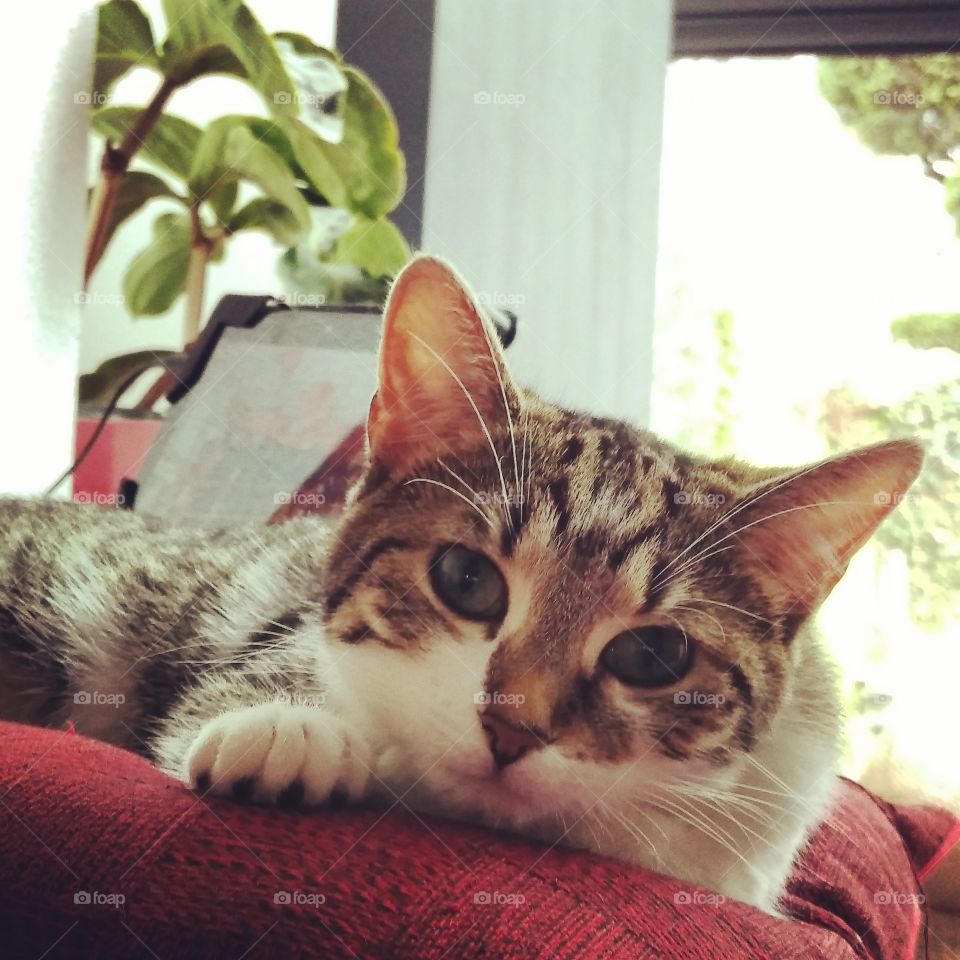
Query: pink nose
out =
(508, 741)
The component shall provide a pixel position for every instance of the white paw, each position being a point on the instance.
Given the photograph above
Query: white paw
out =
(278, 753)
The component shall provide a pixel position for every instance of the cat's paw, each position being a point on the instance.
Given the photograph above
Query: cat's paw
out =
(278, 753)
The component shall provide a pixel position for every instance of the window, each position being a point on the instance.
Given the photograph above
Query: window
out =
(808, 303)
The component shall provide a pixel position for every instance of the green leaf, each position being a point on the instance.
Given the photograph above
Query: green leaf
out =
(926, 331)
(310, 154)
(223, 198)
(124, 41)
(171, 143)
(319, 81)
(270, 216)
(304, 45)
(228, 151)
(136, 189)
(159, 274)
(375, 246)
(101, 384)
(207, 35)
(365, 172)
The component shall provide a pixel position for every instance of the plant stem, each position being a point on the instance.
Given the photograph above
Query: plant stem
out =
(200, 248)
(113, 168)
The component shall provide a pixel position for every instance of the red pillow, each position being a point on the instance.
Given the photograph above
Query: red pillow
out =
(104, 857)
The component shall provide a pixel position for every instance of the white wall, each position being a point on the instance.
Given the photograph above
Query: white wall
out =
(543, 160)
(107, 328)
(45, 58)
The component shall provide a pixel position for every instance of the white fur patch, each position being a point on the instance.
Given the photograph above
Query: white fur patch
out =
(275, 745)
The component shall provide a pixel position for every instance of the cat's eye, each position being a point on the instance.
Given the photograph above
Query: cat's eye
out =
(469, 584)
(648, 656)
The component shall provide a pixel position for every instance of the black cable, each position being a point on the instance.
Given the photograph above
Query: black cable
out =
(108, 411)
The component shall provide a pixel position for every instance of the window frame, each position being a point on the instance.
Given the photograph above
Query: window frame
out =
(740, 28)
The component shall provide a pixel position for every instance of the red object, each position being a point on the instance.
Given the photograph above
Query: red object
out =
(118, 454)
(325, 491)
(104, 857)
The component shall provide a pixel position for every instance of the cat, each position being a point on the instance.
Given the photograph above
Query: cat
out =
(528, 618)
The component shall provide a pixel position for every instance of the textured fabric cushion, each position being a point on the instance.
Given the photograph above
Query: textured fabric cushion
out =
(104, 857)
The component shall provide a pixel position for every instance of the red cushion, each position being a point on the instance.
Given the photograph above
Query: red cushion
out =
(104, 857)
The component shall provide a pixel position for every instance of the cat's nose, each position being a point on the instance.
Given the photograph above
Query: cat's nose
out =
(509, 741)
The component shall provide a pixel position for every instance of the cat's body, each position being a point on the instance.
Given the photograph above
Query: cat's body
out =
(466, 641)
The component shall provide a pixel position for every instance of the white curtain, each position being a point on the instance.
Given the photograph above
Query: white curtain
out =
(45, 69)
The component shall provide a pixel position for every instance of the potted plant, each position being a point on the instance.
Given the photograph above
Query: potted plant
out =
(322, 162)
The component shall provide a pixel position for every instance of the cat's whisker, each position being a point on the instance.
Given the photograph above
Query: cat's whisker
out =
(727, 799)
(792, 794)
(668, 807)
(729, 606)
(725, 790)
(705, 554)
(703, 613)
(456, 493)
(695, 811)
(524, 464)
(660, 584)
(503, 394)
(635, 830)
(475, 494)
(739, 508)
(483, 426)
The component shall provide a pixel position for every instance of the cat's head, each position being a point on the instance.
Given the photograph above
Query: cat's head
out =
(544, 606)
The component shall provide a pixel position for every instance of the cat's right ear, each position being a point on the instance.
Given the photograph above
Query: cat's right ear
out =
(442, 381)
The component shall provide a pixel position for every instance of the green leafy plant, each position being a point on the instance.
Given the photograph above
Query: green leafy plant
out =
(328, 140)
(908, 106)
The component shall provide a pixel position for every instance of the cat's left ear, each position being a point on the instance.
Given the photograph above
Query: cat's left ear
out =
(442, 382)
(800, 531)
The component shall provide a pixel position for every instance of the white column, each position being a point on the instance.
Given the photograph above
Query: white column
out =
(46, 62)
(542, 176)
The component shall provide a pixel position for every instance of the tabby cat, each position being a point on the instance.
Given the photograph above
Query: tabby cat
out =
(529, 618)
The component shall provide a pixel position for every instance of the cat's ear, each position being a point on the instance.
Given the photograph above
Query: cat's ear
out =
(442, 381)
(801, 529)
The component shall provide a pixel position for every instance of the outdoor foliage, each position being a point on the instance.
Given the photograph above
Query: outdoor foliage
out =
(903, 105)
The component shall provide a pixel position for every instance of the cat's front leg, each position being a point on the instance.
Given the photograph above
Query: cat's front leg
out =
(279, 753)
(264, 740)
